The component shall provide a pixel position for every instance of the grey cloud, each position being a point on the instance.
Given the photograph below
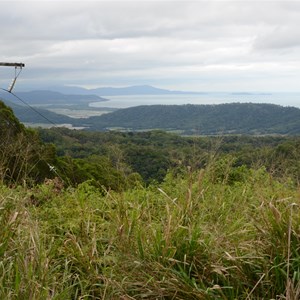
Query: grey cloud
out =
(280, 37)
(168, 40)
(103, 20)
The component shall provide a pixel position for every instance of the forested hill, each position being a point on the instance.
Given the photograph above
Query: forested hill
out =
(234, 118)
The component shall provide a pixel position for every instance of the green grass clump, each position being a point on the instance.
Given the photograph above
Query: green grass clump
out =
(216, 233)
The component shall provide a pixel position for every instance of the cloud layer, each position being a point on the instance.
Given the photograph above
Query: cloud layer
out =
(197, 45)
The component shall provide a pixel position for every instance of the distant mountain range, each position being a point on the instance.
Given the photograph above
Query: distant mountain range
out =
(69, 95)
(66, 95)
(122, 91)
(47, 97)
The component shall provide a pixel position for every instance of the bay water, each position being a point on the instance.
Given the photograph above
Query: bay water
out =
(284, 99)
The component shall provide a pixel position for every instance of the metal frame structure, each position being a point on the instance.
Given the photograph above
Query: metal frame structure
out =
(17, 66)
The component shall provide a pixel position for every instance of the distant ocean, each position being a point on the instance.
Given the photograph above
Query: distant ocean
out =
(284, 99)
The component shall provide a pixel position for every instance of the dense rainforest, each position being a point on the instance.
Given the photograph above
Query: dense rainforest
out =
(147, 215)
(152, 154)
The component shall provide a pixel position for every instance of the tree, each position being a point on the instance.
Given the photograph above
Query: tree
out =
(22, 154)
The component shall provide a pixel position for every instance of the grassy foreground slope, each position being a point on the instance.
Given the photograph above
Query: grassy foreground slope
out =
(215, 233)
(211, 226)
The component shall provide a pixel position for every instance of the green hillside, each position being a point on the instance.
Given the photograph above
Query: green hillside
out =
(223, 119)
(235, 118)
(36, 115)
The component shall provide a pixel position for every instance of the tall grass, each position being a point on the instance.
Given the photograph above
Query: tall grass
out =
(219, 233)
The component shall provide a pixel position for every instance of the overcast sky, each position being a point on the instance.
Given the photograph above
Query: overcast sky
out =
(181, 45)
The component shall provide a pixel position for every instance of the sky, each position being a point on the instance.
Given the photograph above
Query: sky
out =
(210, 46)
